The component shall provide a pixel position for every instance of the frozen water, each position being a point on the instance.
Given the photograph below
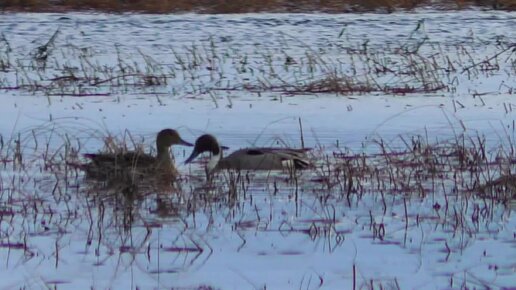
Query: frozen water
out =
(56, 231)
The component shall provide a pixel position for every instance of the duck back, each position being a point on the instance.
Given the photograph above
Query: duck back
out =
(265, 159)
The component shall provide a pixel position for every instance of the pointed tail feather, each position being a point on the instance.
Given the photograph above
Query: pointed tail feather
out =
(77, 165)
(301, 163)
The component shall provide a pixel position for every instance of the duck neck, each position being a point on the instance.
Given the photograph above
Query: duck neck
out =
(214, 160)
(163, 156)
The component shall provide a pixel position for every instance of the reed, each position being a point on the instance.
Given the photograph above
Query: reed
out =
(209, 68)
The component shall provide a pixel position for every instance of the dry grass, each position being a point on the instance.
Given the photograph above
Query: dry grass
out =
(223, 6)
(468, 186)
(204, 68)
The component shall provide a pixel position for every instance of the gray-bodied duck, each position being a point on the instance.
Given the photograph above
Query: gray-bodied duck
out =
(136, 163)
(260, 158)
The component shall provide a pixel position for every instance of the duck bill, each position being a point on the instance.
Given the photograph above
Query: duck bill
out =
(192, 157)
(184, 143)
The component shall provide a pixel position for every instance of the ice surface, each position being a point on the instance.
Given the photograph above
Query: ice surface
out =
(266, 240)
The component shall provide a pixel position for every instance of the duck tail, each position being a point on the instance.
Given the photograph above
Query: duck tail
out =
(300, 163)
(90, 155)
(77, 165)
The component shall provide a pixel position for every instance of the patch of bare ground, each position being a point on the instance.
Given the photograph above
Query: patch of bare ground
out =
(245, 6)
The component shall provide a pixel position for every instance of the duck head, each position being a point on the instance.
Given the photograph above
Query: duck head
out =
(207, 143)
(169, 137)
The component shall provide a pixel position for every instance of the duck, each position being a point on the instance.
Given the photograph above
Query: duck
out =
(258, 158)
(136, 163)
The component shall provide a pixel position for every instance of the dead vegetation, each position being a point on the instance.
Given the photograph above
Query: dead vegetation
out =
(414, 66)
(460, 187)
(467, 185)
(246, 6)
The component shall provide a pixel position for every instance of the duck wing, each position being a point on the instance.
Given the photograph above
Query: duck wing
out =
(128, 159)
(265, 159)
(290, 158)
(120, 165)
